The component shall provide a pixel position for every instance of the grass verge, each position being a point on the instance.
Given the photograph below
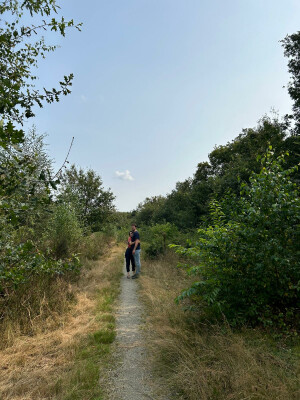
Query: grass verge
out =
(212, 362)
(66, 363)
(91, 353)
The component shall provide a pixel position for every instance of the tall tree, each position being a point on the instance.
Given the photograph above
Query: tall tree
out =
(84, 189)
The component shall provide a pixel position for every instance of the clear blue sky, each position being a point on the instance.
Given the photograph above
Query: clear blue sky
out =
(159, 83)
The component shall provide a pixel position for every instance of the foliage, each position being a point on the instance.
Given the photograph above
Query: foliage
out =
(19, 55)
(21, 191)
(201, 360)
(63, 233)
(120, 225)
(291, 45)
(25, 170)
(158, 237)
(26, 183)
(24, 213)
(248, 260)
(236, 161)
(85, 191)
(122, 219)
(150, 210)
(19, 263)
(187, 206)
(93, 246)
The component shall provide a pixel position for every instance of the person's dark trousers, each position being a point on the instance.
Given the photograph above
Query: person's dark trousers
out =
(129, 258)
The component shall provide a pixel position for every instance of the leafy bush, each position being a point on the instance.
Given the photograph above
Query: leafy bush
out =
(64, 231)
(248, 260)
(19, 263)
(158, 237)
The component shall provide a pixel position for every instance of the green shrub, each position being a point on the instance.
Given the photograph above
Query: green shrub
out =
(64, 231)
(158, 237)
(121, 234)
(21, 262)
(248, 260)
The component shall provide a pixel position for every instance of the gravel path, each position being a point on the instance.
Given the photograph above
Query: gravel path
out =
(131, 378)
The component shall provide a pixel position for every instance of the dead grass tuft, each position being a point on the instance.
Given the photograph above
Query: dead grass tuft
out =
(209, 362)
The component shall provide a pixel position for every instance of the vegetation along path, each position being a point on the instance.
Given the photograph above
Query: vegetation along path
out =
(131, 377)
(63, 360)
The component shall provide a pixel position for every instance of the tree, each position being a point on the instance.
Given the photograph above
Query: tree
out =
(84, 189)
(19, 55)
(238, 159)
(25, 171)
(291, 45)
(188, 204)
(21, 48)
(150, 210)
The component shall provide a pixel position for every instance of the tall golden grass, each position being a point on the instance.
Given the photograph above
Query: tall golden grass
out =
(34, 307)
(206, 361)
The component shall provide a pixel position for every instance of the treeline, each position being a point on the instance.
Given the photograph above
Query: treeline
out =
(245, 203)
(187, 206)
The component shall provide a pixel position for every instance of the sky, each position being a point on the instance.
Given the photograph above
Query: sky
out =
(159, 83)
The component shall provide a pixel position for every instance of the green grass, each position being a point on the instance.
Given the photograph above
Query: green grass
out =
(92, 354)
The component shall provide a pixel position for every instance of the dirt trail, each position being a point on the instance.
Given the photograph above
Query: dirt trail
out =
(131, 378)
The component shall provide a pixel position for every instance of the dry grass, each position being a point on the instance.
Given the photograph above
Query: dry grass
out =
(205, 362)
(41, 304)
(58, 363)
(35, 307)
(94, 245)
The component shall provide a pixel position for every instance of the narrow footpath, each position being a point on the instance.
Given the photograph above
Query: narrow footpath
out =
(131, 379)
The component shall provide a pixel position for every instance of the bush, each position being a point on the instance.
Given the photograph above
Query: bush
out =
(93, 245)
(19, 263)
(248, 261)
(64, 231)
(158, 237)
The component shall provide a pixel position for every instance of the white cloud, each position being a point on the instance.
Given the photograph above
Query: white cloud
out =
(125, 176)
(83, 98)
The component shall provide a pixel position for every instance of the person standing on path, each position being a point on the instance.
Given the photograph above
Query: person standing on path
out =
(129, 256)
(136, 251)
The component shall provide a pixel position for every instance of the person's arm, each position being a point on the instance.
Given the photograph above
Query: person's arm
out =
(137, 241)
